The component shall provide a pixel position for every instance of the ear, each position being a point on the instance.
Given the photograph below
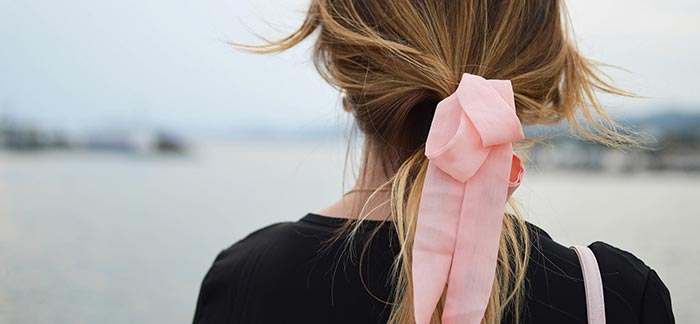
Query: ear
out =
(347, 106)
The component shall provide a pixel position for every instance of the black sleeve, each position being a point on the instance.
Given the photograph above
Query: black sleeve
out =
(215, 295)
(656, 302)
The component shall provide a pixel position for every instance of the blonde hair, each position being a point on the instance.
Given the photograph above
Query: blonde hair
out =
(395, 59)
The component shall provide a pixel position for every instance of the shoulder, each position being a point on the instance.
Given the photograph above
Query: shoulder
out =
(614, 262)
(633, 291)
(266, 248)
(287, 273)
(620, 264)
(231, 262)
(632, 283)
(252, 272)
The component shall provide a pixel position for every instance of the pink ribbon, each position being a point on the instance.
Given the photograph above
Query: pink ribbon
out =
(472, 171)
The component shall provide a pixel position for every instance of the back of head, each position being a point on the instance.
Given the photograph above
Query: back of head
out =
(395, 59)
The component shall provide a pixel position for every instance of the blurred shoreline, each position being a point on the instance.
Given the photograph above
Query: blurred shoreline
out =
(670, 142)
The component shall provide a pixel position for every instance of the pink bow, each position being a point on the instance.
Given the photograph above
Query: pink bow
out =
(472, 171)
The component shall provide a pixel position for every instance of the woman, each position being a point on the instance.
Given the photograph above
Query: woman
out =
(398, 248)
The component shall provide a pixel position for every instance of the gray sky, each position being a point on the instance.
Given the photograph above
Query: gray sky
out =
(83, 62)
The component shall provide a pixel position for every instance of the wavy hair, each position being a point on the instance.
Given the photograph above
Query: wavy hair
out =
(395, 59)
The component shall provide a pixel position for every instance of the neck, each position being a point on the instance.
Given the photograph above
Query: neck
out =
(362, 202)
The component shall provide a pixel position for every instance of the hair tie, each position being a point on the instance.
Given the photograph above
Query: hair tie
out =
(472, 171)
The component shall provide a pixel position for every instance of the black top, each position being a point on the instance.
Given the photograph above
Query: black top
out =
(290, 273)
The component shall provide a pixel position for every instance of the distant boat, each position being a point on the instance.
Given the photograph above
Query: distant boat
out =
(168, 143)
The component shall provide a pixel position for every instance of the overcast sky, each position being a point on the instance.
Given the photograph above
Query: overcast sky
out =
(85, 62)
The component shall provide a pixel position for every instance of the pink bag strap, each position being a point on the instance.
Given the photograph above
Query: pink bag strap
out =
(593, 284)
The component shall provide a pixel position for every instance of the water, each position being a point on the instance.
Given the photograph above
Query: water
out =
(103, 238)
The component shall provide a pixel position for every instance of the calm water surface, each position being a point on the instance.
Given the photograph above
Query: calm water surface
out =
(106, 238)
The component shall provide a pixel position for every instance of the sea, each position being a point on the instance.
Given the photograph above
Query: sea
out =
(114, 237)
